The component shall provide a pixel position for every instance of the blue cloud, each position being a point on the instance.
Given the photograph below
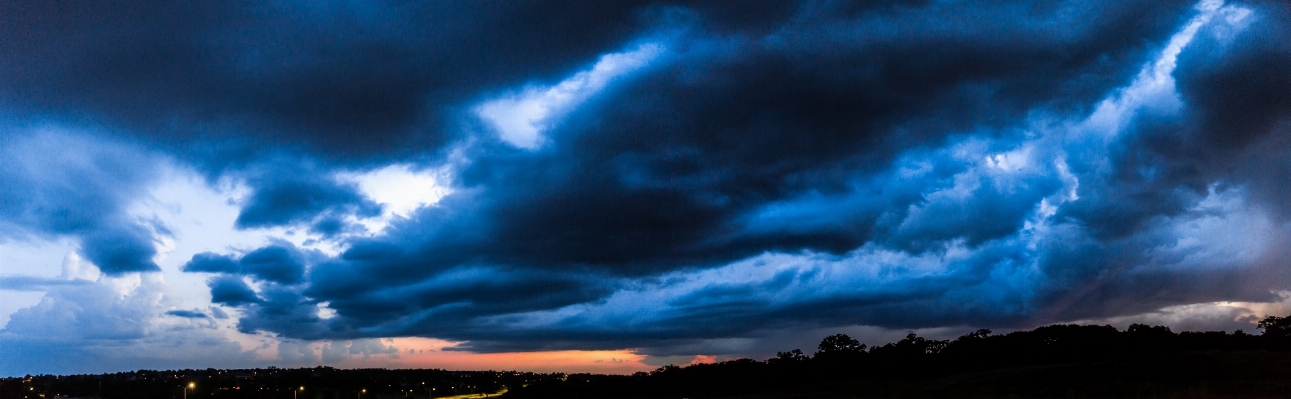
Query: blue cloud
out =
(997, 226)
(288, 201)
(121, 249)
(280, 263)
(207, 262)
(804, 165)
(62, 184)
(187, 314)
(231, 290)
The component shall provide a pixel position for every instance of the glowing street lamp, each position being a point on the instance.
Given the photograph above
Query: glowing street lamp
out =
(293, 393)
(190, 386)
(360, 394)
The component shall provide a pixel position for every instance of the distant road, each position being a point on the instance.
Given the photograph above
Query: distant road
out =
(474, 395)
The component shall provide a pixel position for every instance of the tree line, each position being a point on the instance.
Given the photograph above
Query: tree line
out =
(840, 358)
(1064, 361)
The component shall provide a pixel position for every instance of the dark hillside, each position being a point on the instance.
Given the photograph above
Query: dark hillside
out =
(1058, 361)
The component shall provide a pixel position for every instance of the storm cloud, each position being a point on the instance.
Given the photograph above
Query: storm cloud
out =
(662, 176)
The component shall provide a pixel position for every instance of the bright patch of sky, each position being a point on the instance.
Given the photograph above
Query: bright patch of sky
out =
(521, 118)
(35, 258)
(198, 218)
(400, 189)
(1205, 316)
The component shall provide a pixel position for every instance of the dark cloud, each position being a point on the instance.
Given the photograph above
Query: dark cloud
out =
(1228, 140)
(1240, 85)
(121, 249)
(658, 173)
(1232, 132)
(904, 133)
(280, 263)
(207, 262)
(991, 212)
(281, 309)
(231, 290)
(916, 164)
(348, 80)
(187, 314)
(296, 198)
(227, 86)
(1237, 82)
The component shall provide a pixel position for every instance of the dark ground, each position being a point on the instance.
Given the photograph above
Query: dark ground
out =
(1058, 361)
(1184, 375)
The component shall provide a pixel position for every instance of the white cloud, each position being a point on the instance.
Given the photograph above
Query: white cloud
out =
(1206, 316)
(521, 118)
(401, 189)
(35, 258)
(1154, 87)
(113, 324)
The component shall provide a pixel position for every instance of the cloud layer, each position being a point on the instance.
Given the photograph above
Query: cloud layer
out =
(668, 177)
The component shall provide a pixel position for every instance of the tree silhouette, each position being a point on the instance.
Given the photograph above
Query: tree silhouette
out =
(1275, 327)
(839, 344)
(791, 357)
(1277, 332)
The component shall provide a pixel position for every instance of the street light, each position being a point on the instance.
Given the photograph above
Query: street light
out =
(293, 393)
(190, 386)
(360, 394)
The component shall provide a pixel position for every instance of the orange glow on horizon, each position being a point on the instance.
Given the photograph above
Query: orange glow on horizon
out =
(430, 353)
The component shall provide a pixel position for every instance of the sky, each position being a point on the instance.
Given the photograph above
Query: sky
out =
(614, 186)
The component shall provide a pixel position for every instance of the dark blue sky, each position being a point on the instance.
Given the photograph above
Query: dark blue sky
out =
(298, 183)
